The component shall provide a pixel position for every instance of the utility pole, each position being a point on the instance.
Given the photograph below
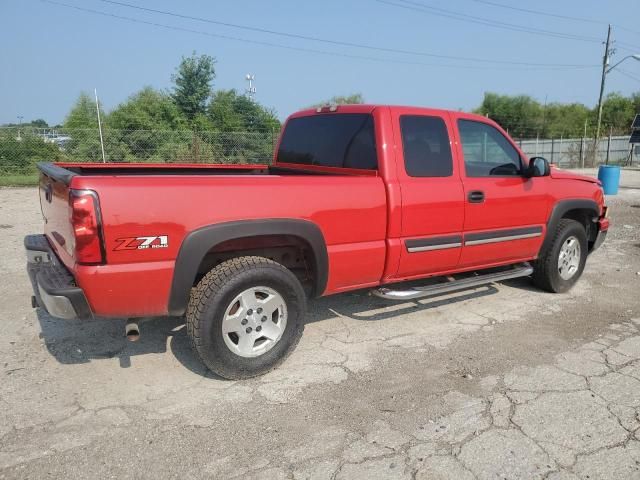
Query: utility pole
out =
(605, 66)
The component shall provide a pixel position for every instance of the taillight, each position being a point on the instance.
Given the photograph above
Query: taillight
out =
(86, 225)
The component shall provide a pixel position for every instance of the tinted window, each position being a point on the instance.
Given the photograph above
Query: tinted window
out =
(487, 152)
(425, 142)
(331, 140)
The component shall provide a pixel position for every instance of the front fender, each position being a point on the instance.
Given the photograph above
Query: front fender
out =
(560, 209)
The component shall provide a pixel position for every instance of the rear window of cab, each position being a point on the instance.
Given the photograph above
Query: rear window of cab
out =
(344, 140)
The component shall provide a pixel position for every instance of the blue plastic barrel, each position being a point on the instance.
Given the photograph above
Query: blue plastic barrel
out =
(609, 175)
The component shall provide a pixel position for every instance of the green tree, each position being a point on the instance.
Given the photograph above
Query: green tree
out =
(229, 111)
(247, 130)
(353, 99)
(82, 126)
(39, 123)
(141, 127)
(83, 114)
(617, 113)
(635, 98)
(521, 115)
(148, 109)
(19, 154)
(525, 117)
(193, 83)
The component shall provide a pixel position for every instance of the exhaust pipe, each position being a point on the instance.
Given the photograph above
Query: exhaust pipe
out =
(132, 331)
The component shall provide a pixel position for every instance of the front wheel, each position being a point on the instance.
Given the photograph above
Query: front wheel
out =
(561, 264)
(246, 316)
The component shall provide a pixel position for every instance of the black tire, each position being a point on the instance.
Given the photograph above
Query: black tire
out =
(546, 275)
(213, 295)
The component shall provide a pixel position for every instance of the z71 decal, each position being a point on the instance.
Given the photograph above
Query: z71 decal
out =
(142, 243)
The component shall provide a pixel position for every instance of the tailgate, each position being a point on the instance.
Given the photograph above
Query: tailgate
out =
(54, 203)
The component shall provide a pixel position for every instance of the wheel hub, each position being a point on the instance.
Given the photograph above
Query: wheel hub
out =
(254, 321)
(569, 258)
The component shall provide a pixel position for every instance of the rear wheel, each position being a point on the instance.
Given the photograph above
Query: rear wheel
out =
(561, 264)
(246, 316)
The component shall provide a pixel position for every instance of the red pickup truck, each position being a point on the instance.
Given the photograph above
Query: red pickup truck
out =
(358, 196)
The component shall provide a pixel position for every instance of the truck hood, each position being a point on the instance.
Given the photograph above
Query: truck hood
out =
(565, 175)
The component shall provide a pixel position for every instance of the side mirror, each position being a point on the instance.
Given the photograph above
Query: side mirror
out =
(538, 167)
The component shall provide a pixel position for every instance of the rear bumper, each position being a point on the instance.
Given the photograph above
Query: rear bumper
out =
(53, 285)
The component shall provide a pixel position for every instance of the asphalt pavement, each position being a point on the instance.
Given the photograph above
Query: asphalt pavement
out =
(503, 381)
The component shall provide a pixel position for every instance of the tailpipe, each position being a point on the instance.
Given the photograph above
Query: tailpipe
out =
(132, 331)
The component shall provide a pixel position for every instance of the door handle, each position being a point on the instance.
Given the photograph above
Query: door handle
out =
(476, 196)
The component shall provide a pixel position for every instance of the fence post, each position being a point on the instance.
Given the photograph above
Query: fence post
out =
(195, 147)
(553, 144)
(273, 143)
(608, 146)
(561, 151)
(583, 154)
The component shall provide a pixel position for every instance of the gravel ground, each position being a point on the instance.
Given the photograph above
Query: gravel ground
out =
(502, 381)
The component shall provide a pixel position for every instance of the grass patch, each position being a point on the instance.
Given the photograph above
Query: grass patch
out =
(27, 180)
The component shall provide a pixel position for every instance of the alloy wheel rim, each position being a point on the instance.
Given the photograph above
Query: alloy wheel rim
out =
(254, 321)
(569, 258)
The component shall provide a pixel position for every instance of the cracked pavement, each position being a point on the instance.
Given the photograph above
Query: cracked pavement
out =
(502, 381)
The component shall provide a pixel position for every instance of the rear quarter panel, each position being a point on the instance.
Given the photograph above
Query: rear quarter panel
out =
(350, 211)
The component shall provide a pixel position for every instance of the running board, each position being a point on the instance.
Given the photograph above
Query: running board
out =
(521, 270)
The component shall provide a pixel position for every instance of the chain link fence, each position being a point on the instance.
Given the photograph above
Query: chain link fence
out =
(22, 148)
(583, 152)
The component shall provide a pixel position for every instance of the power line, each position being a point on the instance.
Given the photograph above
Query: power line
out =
(325, 52)
(625, 46)
(421, 7)
(627, 74)
(319, 39)
(537, 12)
(554, 15)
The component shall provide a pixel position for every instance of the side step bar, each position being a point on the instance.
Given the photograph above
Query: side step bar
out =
(521, 270)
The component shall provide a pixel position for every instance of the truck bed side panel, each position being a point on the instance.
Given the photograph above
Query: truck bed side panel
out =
(350, 211)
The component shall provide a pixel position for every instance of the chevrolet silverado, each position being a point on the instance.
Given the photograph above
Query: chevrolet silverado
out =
(357, 196)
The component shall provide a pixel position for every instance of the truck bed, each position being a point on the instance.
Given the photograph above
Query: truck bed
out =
(173, 200)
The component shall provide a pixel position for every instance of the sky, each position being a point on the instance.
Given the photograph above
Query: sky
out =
(51, 52)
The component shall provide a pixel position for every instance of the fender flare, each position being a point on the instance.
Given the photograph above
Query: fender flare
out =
(199, 242)
(560, 209)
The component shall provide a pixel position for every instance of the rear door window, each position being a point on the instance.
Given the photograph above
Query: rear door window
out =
(332, 140)
(426, 146)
